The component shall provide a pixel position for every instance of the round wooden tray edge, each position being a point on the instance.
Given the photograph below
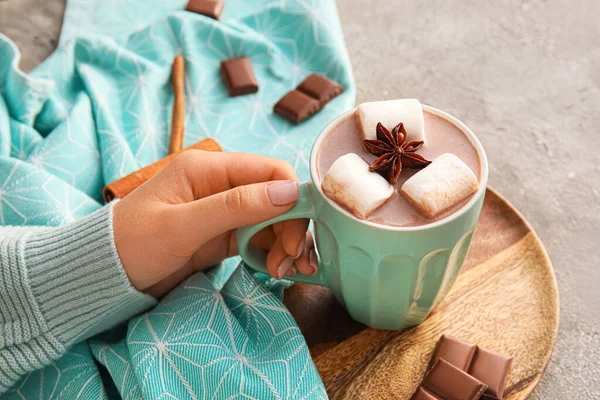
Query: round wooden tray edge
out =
(532, 231)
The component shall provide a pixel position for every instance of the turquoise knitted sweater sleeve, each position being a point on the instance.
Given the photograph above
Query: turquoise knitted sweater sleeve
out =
(59, 286)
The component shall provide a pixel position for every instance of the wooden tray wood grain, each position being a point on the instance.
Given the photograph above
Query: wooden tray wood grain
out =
(505, 299)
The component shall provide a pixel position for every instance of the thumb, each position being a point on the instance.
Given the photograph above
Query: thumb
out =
(237, 207)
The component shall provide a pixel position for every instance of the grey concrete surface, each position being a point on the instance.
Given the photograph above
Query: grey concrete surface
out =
(525, 76)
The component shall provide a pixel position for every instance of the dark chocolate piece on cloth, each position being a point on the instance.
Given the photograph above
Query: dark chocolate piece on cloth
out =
(424, 394)
(455, 351)
(320, 88)
(492, 369)
(296, 106)
(209, 8)
(239, 76)
(450, 383)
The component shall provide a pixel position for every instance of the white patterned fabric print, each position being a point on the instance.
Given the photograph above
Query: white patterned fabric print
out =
(99, 108)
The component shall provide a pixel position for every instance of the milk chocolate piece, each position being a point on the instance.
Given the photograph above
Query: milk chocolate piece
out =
(320, 88)
(239, 76)
(424, 394)
(455, 351)
(296, 106)
(451, 383)
(209, 8)
(492, 369)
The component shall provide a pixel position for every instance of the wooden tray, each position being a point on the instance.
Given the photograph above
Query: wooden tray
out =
(505, 299)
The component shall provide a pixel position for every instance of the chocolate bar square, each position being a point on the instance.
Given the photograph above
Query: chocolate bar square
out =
(296, 106)
(239, 76)
(424, 394)
(492, 369)
(451, 383)
(320, 88)
(455, 351)
(209, 8)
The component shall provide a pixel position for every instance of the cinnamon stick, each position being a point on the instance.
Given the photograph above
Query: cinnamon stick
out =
(178, 117)
(127, 184)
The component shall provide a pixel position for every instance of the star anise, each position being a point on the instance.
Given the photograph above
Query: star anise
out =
(394, 152)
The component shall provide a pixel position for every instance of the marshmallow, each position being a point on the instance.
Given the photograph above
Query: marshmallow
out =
(444, 183)
(391, 113)
(349, 183)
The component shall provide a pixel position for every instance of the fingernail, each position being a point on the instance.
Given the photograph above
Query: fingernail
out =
(284, 267)
(300, 248)
(313, 261)
(282, 193)
(291, 272)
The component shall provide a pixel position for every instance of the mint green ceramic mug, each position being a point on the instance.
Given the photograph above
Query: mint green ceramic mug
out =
(386, 277)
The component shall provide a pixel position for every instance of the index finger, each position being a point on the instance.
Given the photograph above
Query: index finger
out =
(210, 172)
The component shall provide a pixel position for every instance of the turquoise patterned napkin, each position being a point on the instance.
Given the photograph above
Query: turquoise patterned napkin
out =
(99, 108)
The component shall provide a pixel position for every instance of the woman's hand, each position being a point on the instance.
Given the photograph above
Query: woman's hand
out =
(184, 219)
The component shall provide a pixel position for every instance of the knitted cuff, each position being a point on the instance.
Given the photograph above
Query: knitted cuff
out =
(77, 279)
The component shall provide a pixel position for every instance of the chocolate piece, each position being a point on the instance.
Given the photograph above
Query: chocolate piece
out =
(451, 383)
(492, 369)
(296, 106)
(424, 394)
(320, 88)
(455, 351)
(209, 8)
(239, 76)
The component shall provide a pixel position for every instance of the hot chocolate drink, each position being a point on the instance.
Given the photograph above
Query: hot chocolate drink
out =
(441, 136)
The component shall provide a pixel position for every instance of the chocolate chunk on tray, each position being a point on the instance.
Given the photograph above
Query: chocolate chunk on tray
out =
(451, 383)
(492, 369)
(424, 394)
(455, 351)
(484, 365)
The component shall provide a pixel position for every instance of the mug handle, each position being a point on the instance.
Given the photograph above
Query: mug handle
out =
(257, 260)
